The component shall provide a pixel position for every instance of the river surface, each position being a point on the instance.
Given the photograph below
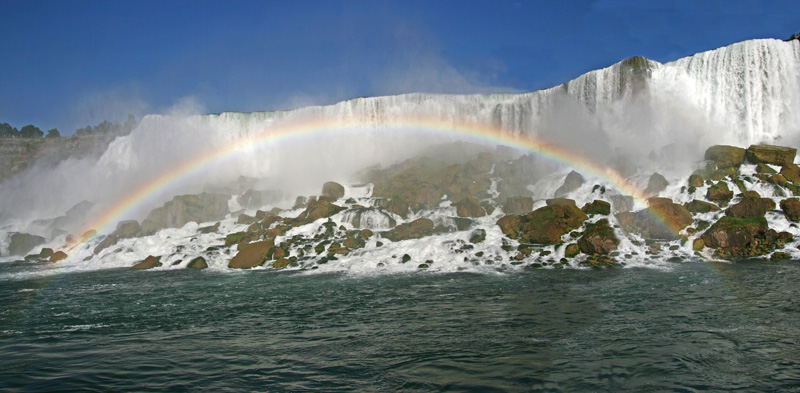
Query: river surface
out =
(696, 326)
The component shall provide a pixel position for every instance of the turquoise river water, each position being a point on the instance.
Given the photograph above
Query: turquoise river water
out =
(697, 326)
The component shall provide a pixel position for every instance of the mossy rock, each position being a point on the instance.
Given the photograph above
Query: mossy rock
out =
(545, 225)
(598, 238)
(197, 263)
(572, 250)
(725, 156)
(770, 154)
(281, 263)
(597, 207)
(736, 237)
(697, 206)
(719, 193)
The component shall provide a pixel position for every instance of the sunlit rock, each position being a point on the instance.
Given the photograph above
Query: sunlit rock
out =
(770, 154)
(148, 263)
(252, 255)
(545, 225)
(725, 156)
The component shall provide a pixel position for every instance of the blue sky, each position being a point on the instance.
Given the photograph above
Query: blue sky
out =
(68, 64)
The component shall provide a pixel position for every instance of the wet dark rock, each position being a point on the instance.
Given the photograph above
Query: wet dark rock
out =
(477, 236)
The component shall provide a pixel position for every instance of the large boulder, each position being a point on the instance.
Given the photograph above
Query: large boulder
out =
(791, 208)
(736, 237)
(663, 220)
(571, 183)
(749, 207)
(252, 254)
(518, 205)
(186, 208)
(254, 199)
(697, 206)
(598, 238)
(333, 189)
(597, 207)
(398, 206)
(416, 229)
(315, 210)
(23, 243)
(770, 154)
(719, 193)
(127, 229)
(545, 225)
(469, 207)
(656, 184)
(197, 263)
(725, 156)
(791, 172)
(148, 263)
(58, 256)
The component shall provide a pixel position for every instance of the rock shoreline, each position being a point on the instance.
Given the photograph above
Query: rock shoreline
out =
(725, 218)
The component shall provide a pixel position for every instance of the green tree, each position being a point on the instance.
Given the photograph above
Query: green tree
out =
(6, 131)
(30, 131)
(53, 133)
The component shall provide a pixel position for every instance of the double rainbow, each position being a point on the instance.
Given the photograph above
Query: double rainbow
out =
(296, 130)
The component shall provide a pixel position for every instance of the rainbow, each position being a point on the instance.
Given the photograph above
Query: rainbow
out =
(295, 130)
